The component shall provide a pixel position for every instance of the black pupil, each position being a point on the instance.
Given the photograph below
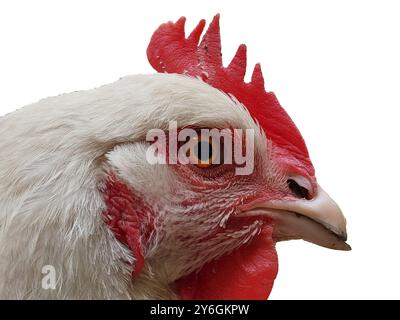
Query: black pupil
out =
(297, 189)
(203, 151)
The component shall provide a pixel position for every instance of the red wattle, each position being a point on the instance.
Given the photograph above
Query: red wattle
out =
(129, 217)
(248, 273)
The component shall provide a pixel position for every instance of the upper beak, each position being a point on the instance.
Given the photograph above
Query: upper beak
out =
(319, 220)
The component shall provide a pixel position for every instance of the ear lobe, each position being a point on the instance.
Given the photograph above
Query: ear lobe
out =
(130, 218)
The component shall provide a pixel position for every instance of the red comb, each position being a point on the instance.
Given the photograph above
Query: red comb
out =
(170, 52)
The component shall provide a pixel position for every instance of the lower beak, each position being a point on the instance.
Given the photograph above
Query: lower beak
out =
(319, 220)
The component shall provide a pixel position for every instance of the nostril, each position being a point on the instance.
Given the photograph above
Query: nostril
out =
(298, 190)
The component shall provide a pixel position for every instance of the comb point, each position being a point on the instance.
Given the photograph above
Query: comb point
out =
(237, 67)
(257, 78)
(180, 24)
(210, 46)
(195, 35)
(213, 30)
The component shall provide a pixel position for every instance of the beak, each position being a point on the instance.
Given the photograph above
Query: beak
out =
(319, 220)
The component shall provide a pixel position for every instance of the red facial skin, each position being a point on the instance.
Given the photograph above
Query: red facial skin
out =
(130, 218)
(253, 268)
(246, 273)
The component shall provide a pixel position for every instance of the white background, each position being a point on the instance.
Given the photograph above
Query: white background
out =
(335, 67)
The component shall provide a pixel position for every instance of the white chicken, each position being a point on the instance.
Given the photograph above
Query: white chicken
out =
(78, 194)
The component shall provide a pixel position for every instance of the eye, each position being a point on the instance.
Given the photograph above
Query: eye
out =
(203, 153)
(298, 190)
